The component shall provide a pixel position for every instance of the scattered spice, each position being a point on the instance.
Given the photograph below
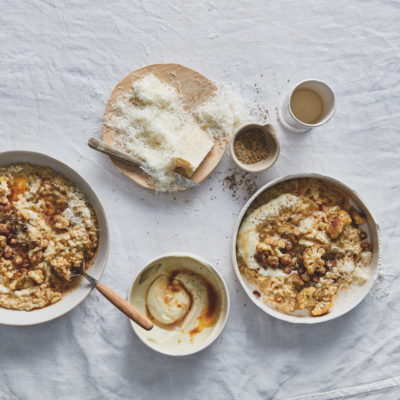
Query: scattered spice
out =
(256, 294)
(250, 146)
(260, 112)
(240, 182)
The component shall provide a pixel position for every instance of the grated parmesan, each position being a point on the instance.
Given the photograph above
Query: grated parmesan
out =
(222, 114)
(150, 122)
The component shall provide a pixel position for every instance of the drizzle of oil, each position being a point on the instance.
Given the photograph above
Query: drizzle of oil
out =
(210, 313)
(208, 316)
(18, 186)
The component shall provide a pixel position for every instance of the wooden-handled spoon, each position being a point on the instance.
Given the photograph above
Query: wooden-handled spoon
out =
(127, 308)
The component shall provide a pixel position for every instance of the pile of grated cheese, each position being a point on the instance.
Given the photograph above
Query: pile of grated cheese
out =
(150, 123)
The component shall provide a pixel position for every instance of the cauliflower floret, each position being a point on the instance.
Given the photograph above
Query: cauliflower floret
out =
(37, 276)
(275, 242)
(322, 308)
(271, 247)
(4, 190)
(264, 248)
(312, 259)
(61, 267)
(296, 281)
(357, 217)
(366, 257)
(305, 298)
(337, 223)
(61, 222)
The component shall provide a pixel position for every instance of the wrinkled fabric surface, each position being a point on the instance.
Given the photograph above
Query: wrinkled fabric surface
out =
(59, 61)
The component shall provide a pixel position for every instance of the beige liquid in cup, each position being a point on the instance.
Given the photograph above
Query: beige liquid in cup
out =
(306, 106)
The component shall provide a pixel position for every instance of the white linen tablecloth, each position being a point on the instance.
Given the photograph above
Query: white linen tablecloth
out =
(59, 61)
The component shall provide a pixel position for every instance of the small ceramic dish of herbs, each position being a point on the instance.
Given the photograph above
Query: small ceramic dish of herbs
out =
(255, 147)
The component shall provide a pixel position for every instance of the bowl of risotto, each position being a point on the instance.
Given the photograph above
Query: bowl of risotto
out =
(305, 248)
(51, 221)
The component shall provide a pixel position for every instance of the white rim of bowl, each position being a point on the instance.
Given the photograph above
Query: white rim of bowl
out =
(107, 242)
(271, 311)
(208, 265)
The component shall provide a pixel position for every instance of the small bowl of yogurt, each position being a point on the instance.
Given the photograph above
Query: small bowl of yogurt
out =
(187, 300)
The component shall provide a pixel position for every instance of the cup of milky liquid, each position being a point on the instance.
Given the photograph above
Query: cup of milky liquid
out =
(311, 103)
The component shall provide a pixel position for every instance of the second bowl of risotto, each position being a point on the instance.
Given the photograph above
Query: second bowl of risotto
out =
(305, 248)
(51, 221)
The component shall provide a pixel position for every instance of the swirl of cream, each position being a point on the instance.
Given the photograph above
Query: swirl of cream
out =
(168, 302)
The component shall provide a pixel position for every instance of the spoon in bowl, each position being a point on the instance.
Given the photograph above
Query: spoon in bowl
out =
(127, 308)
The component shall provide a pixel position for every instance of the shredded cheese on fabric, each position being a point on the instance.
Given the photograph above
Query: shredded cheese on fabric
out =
(222, 114)
(150, 123)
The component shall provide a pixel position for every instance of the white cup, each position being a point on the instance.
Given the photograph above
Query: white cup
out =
(288, 119)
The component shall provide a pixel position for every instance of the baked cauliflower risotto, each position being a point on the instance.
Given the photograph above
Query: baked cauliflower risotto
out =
(301, 243)
(46, 228)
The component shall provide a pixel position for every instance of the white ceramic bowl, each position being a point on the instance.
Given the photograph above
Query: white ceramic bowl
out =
(75, 297)
(136, 296)
(347, 299)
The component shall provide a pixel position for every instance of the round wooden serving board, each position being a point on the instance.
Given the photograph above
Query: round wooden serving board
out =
(195, 88)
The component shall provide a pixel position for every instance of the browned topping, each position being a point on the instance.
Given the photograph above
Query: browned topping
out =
(358, 218)
(256, 294)
(250, 147)
(18, 259)
(289, 246)
(296, 281)
(366, 246)
(331, 263)
(273, 261)
(287, 269)
(285, 259)
(337, 223)
(8, 252)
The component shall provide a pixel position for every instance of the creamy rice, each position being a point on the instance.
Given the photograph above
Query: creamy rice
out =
(46, 228)
(301, 243)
